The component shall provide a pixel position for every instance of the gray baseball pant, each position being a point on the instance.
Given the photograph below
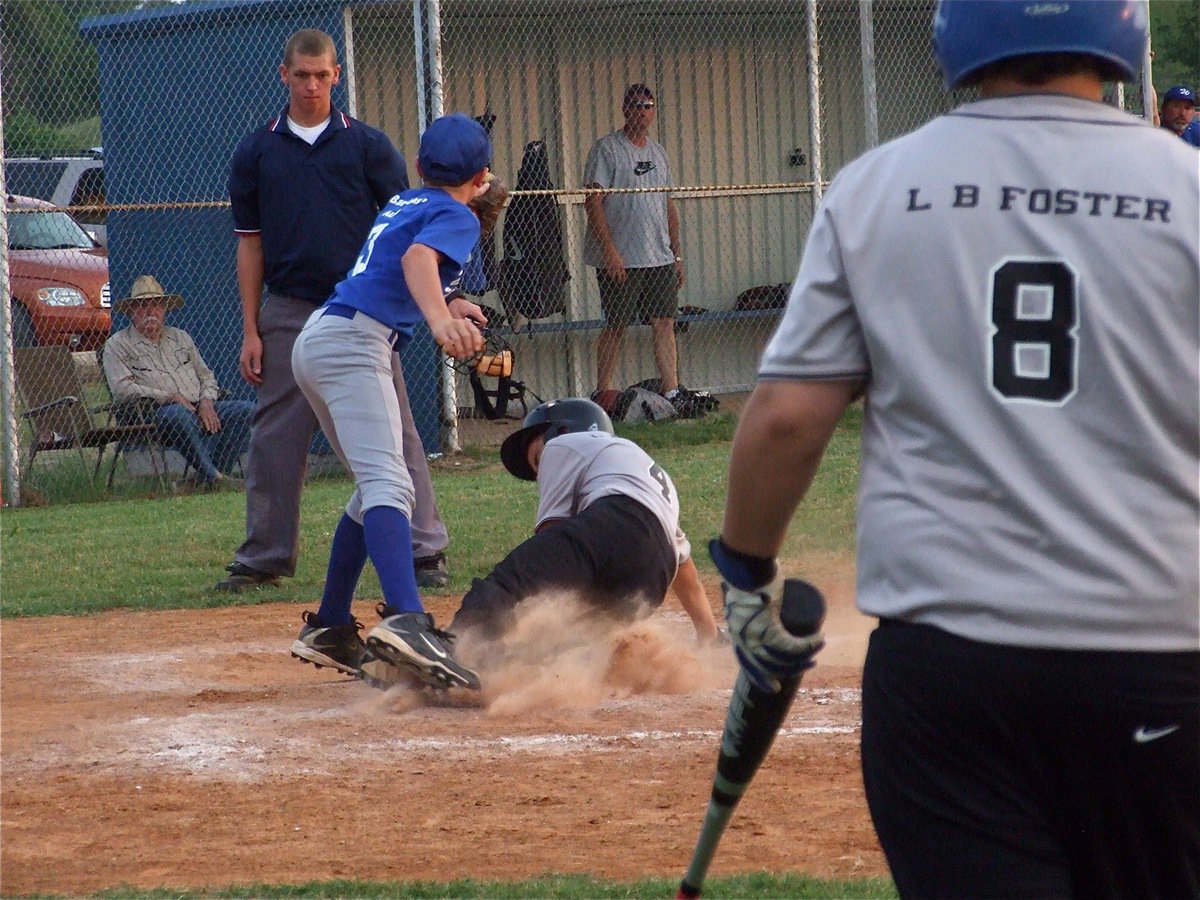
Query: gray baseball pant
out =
(345, 365)
(281, 433)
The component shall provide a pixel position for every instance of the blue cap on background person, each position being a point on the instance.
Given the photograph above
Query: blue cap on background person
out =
(1180, 92)
(453, 148)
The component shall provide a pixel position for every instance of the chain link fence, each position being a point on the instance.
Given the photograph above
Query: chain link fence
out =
(759, 103)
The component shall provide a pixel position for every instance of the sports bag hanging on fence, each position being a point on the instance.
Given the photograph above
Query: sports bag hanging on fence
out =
(533, 273)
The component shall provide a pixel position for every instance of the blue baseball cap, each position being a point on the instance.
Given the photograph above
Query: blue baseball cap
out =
(1180, 92)
(453, 148)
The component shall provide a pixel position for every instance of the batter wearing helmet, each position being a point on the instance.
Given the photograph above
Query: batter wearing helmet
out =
(345, 360)
(1029, 506)
(607, 526)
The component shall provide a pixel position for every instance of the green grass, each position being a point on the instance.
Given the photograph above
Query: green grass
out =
(168, 552)
(567, 887)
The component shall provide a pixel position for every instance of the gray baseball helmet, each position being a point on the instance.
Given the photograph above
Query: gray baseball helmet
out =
(552, 419)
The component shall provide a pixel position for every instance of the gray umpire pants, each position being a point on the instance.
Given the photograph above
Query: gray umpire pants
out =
(282, 431)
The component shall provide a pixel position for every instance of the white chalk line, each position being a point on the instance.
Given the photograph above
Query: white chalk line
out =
(253, 742)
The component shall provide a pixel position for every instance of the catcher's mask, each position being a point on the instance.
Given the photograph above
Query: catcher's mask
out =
(495, 360)
(552, 419)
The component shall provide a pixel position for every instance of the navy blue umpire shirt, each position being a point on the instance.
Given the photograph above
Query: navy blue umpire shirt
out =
(317, 201)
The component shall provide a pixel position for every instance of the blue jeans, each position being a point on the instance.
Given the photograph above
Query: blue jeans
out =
(208, 454)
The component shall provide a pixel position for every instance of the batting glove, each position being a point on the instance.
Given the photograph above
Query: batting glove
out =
(766, 650)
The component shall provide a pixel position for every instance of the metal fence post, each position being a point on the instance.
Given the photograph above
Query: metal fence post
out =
(866, 28)
(432, 61)
(9, 434)
(814, 101)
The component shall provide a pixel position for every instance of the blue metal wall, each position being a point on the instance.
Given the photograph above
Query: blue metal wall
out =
(179, 87)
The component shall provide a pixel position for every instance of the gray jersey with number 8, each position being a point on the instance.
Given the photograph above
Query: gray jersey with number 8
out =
(1027, 317)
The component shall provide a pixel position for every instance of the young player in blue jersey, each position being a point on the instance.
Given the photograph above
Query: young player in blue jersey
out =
(344, 361)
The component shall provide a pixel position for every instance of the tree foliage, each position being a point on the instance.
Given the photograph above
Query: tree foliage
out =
(50, 70)
(1175, 39)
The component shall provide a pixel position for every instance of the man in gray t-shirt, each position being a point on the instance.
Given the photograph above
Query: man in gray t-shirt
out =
(633, 240)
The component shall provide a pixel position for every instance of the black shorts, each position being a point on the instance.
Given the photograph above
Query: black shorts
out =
(650, 293)
(997, 771)
(614, 554)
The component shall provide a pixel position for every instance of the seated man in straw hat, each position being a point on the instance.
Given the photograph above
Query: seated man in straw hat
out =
(160, 365)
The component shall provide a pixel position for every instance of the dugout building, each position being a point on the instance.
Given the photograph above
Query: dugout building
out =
(760, 102)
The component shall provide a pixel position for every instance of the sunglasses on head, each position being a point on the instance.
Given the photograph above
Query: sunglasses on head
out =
(642, 104)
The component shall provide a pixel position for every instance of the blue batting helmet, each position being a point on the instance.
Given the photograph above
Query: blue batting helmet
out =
(970, 34)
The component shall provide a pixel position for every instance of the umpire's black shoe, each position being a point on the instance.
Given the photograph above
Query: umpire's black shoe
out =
(241, 577)
(411, 641)
(337, 647)
(431, 571)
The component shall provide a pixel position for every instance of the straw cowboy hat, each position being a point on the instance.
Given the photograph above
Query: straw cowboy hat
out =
(146, 287)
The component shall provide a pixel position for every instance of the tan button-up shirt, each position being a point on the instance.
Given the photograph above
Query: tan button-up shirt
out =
(138, 367)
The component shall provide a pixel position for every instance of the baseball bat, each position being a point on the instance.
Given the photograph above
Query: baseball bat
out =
(751, 723)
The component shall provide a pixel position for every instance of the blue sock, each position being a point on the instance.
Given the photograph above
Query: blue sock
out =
(347, 556)
(389, 543)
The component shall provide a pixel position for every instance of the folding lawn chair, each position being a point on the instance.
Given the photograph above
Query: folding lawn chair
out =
(60, 418)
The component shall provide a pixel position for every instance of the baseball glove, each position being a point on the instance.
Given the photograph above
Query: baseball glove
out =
(490, 204)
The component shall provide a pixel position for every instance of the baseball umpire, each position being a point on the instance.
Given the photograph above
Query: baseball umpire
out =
(607, 526)
(1014, 287)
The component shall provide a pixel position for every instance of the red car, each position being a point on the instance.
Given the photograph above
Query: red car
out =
(58, 277)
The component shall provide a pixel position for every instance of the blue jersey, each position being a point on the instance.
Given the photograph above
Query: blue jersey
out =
(375, 284)
(1191, 134)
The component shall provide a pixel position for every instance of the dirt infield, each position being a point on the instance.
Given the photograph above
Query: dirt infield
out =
(189, 750)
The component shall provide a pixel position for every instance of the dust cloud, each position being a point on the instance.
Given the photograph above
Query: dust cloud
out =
(561, 654)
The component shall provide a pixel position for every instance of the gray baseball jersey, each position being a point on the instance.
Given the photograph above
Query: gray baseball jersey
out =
(637, 222)
(578, 469)
(1018, 281)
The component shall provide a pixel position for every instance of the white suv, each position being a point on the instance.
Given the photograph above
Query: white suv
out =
(65, 181)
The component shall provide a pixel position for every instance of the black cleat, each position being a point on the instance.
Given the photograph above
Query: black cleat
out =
(410, 641)
(241, 578)
(337, 647)
(376, 672)
(431, 571)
